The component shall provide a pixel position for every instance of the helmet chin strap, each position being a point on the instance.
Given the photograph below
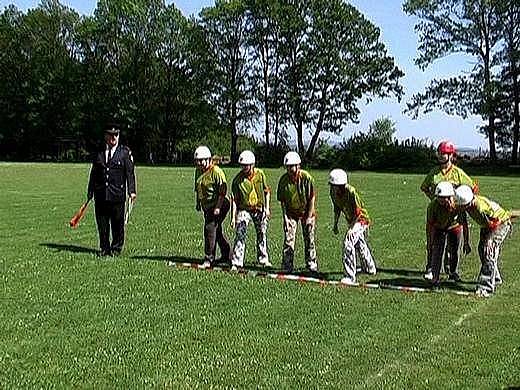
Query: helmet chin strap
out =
(444, 160)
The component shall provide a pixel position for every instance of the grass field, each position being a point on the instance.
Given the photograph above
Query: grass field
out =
(72, 319)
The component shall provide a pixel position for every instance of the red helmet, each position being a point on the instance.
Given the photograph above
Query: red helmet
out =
(446, 147)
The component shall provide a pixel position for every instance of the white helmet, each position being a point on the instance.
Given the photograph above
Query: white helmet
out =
(338, 177)
(463, 195)
(444, 189)
(247, 157)
(202, 153)
(292, 158)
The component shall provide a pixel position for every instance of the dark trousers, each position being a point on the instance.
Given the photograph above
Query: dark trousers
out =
(213, 234)
(449, 240)
(110, 216)
(429, 249)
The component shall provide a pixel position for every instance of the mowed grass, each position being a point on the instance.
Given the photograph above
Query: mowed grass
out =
(71, 319)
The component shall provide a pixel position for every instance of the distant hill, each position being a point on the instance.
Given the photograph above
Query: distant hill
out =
(472, 152)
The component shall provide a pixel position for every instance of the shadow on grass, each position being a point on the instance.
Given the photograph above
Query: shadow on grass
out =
(68, 248)
(180, 260)
(174, 259)
(403, 272)
(420, 283)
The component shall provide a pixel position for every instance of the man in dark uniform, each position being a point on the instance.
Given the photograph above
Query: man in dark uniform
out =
(111, 175)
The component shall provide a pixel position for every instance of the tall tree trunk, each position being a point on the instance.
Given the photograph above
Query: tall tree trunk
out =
(488, 93)
(266, 107)
(276, 129)
(234, 132)
(516, 113)
(319, 128)
(299, 132)
(491, 138)
(488, 96)
(265, 54)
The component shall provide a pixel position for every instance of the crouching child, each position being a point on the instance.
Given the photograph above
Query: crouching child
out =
(346, 200)
(495, 225)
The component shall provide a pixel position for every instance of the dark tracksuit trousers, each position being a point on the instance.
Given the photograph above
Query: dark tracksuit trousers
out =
(213, 234)
(449, 240)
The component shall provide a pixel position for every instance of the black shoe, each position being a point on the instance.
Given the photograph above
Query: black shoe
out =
(223, 260)
(454, 277)
(105, 253)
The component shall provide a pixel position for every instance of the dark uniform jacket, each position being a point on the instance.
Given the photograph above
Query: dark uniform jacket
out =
(108, 182)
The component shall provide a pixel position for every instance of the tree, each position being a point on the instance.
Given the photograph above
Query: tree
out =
(39, 71)
(225, 26)
(14, 81)
(266, 66)
(185, 73)
(131, 32)
(332, 57)
(382, 129)
(509, 56)
(459, 26)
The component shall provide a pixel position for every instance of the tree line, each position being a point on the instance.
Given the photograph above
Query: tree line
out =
(489, 32)
(278, 68)
(274, 65)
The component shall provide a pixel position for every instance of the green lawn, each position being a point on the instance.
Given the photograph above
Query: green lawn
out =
(71, 319)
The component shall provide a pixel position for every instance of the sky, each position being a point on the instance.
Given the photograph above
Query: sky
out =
(397, 32)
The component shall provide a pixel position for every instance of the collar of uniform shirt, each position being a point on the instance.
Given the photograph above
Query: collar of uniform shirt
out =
(112, 151)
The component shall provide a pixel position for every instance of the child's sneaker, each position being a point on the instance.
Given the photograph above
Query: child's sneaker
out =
(312, 266)
(372, 271)
(483, 293)
(265, 263)
(347, 281)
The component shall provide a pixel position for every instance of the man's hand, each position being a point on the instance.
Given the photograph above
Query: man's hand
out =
(133, 197)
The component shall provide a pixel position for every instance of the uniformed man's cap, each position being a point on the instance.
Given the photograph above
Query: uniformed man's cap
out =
(112, 129)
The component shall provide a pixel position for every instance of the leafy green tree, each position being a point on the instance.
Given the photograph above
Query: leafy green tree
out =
(294, 51)
(184, 88)
(332, 58)
(509, 57)
(225, 26)
(459, 26)
(382, 129)
(131, 33)
(264, 42)
(40, 61)
(14, 82)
